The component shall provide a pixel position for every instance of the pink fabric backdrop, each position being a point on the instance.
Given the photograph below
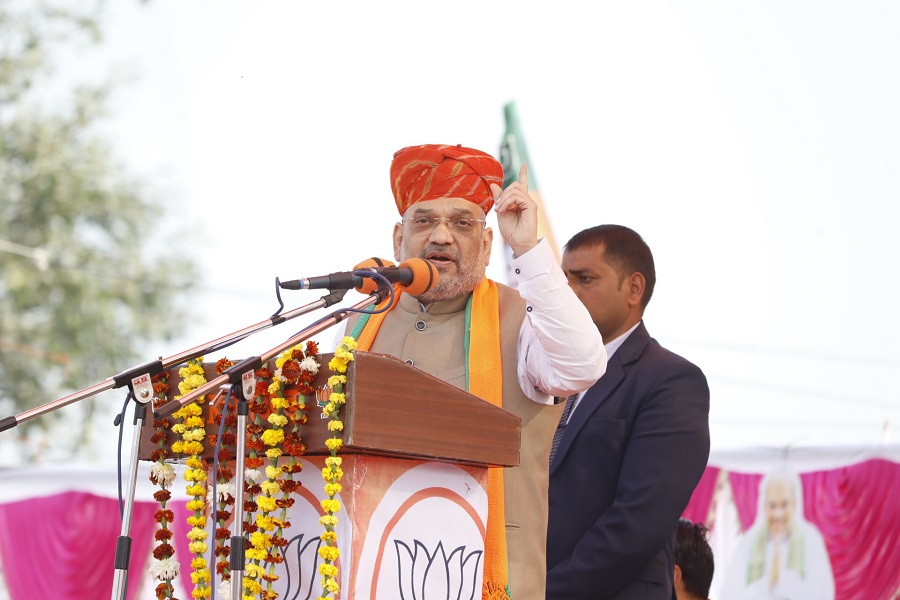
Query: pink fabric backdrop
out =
(697, 509)
(857, 510)
(64, 546)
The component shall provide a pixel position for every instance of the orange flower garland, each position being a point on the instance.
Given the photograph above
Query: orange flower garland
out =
(293, 367)
(225, 491)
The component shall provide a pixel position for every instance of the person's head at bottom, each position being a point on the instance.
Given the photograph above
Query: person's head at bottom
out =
(693, 561)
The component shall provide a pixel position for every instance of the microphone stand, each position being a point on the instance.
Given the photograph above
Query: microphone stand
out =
(157, 366)
(256, 362)
(237, 558)
(138, 379)
(141, 391)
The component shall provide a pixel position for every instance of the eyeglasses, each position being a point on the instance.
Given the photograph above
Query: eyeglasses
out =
(456, 225)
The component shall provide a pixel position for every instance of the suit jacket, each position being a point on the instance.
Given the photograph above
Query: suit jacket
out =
(630, 457)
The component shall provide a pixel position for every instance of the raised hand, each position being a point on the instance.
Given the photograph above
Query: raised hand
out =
(517, 214)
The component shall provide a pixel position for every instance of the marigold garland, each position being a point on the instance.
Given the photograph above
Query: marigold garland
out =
(297, 393)
(292, 368)
(253, 569)
(332, 472)
(225, 492)
(264, 540)
(165, 568)
(268, 492)
(192, 432)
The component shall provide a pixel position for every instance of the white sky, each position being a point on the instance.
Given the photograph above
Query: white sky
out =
(753, 145)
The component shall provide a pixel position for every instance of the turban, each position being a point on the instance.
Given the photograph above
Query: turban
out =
(437, 171)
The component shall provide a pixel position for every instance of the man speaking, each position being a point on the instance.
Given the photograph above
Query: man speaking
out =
(516, 348)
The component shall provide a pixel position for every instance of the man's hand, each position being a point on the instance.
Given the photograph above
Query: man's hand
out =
(517, 214)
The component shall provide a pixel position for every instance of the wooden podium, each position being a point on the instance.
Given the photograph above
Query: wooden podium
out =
(414, 500)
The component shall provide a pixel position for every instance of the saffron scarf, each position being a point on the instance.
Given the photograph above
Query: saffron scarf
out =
(483, 364)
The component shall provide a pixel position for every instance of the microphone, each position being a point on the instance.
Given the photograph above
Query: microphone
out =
(415, 275)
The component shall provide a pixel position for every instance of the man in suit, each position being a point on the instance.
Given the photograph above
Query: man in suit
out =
(631, 449)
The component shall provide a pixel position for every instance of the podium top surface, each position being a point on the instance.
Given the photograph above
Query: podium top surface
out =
(395, 410)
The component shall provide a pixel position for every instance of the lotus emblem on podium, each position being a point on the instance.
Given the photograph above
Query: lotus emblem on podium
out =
(434, 575)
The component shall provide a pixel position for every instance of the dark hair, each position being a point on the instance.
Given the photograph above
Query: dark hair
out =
(625, 251)
(694, 556)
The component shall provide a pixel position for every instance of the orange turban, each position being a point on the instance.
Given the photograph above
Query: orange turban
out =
(437, 171)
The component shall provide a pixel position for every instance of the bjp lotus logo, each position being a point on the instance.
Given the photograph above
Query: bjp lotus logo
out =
(301, 562)
(434, 575)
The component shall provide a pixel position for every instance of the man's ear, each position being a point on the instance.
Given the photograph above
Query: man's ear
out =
(487, 239)
(398, 240)
(677, 576)
(637, 285)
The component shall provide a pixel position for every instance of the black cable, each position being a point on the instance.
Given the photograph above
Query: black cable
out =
(214, 508)
(120, 423)
(365, 311)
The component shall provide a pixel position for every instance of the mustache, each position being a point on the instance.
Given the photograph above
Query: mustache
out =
(451, 252)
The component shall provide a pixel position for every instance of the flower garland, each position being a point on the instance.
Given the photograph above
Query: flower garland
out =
(295, 373)
(293, 368)
(165, 568)
(225, 491)
(332, 472)
(297, 389)
(193, 432)
(264, 540)
(284, 403)
(253, 570)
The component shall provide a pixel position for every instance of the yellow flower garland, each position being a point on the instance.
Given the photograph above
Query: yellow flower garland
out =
(193, 432)
(332, 472)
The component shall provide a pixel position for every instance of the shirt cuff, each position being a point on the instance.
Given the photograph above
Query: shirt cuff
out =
(540, 260)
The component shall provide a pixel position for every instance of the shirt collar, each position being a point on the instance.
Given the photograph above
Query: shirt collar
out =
(613, 345)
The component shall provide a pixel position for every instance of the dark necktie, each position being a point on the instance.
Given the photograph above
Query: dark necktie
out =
(561, 427)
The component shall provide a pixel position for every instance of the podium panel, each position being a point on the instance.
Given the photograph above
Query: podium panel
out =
(404, 525)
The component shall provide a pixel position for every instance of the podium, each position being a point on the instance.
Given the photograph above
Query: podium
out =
(414, 502)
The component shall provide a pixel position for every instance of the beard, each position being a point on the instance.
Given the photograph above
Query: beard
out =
(470, 271)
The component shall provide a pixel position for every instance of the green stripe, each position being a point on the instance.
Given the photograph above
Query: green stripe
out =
(359, 326)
